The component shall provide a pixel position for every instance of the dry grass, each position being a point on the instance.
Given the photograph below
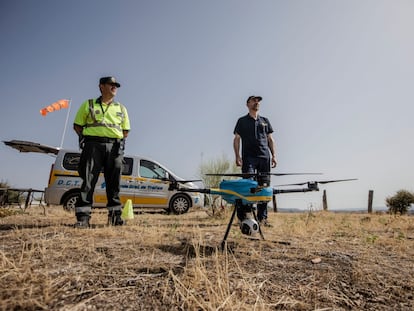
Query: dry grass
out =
(309, 261)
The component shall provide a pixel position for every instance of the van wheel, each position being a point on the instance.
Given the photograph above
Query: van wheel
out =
(69, 203)
(180, 204)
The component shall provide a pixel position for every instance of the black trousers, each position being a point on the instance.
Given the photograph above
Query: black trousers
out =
(95, 157)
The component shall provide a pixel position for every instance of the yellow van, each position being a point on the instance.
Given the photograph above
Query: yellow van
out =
(146, 182)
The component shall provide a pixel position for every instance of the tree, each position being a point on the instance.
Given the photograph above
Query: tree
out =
(400, 202)
(216, 166)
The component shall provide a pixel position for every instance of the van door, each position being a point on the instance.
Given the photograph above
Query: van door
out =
(152, 188)
(128, 185)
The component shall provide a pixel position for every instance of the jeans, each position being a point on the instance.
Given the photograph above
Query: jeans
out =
(256, 165)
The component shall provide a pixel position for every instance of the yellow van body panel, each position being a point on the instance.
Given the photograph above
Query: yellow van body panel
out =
(101, 198)
(137, 183)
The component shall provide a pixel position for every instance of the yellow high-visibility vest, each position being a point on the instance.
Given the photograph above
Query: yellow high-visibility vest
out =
(102, 120)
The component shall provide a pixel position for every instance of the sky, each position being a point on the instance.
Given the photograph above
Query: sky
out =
(335, 77)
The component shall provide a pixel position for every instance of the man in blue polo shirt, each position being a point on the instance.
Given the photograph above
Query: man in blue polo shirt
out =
(254, 133)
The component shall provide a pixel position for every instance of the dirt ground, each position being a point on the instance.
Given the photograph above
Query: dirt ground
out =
(308, 261)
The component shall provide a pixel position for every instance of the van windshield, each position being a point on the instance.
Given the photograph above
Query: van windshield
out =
(148, 169)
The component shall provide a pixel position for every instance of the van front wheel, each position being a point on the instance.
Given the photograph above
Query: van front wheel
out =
(180, 204)
(69, 203)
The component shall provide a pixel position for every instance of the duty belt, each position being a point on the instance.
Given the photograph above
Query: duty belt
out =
(99, 139)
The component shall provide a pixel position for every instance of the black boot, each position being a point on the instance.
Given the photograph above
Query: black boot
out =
(114, 218)
(82, 220)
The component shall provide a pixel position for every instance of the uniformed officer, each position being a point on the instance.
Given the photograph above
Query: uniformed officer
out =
(102, 125)
(258, 152)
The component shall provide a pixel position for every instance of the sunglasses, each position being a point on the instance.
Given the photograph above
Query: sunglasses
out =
(112, 84)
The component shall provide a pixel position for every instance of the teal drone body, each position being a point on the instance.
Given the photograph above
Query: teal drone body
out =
(247, 191)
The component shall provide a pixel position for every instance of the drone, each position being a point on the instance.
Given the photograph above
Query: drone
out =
(251, 189)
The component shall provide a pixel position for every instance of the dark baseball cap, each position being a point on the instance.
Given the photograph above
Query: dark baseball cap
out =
(259, 98)
(109, 80)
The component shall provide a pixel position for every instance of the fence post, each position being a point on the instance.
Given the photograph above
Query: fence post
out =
(274, 203)
(370, 198)
(28, 198)
(324, 201)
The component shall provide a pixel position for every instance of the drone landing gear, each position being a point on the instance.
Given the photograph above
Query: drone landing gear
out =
(237, 206)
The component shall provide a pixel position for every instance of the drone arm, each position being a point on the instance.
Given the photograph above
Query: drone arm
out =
(277, 191)
(195, 190)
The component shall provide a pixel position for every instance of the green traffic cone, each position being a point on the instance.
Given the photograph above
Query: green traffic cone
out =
(127, 211)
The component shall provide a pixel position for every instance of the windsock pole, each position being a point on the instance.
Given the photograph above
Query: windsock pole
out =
(66, 123)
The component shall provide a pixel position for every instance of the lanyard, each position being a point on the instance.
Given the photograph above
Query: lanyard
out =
(104, 111)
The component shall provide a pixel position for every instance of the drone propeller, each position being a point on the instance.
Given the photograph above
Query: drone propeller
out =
(318, 182)
(249, 175)
(188, 180)
(174, 184)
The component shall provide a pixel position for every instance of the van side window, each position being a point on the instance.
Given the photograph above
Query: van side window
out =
(127, 166)
(148, 169)
(71, 163)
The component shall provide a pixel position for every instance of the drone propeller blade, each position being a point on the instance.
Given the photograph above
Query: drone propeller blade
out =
(318, 182)
(283, 174)
(298, 184)
(229, 174)
(335, 180)
(188, 180)
(249, 175)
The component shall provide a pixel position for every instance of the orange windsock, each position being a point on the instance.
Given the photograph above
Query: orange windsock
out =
(60, 104)
(64, 103)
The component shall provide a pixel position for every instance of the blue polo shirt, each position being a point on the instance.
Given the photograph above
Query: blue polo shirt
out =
(253, 134)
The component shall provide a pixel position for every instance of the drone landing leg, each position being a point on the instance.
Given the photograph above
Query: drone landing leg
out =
(223, 243)
(260, 229)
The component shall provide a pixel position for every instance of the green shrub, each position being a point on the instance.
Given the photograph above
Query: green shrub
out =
(400, 202)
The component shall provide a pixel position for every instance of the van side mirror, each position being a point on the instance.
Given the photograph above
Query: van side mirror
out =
(166, 176)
